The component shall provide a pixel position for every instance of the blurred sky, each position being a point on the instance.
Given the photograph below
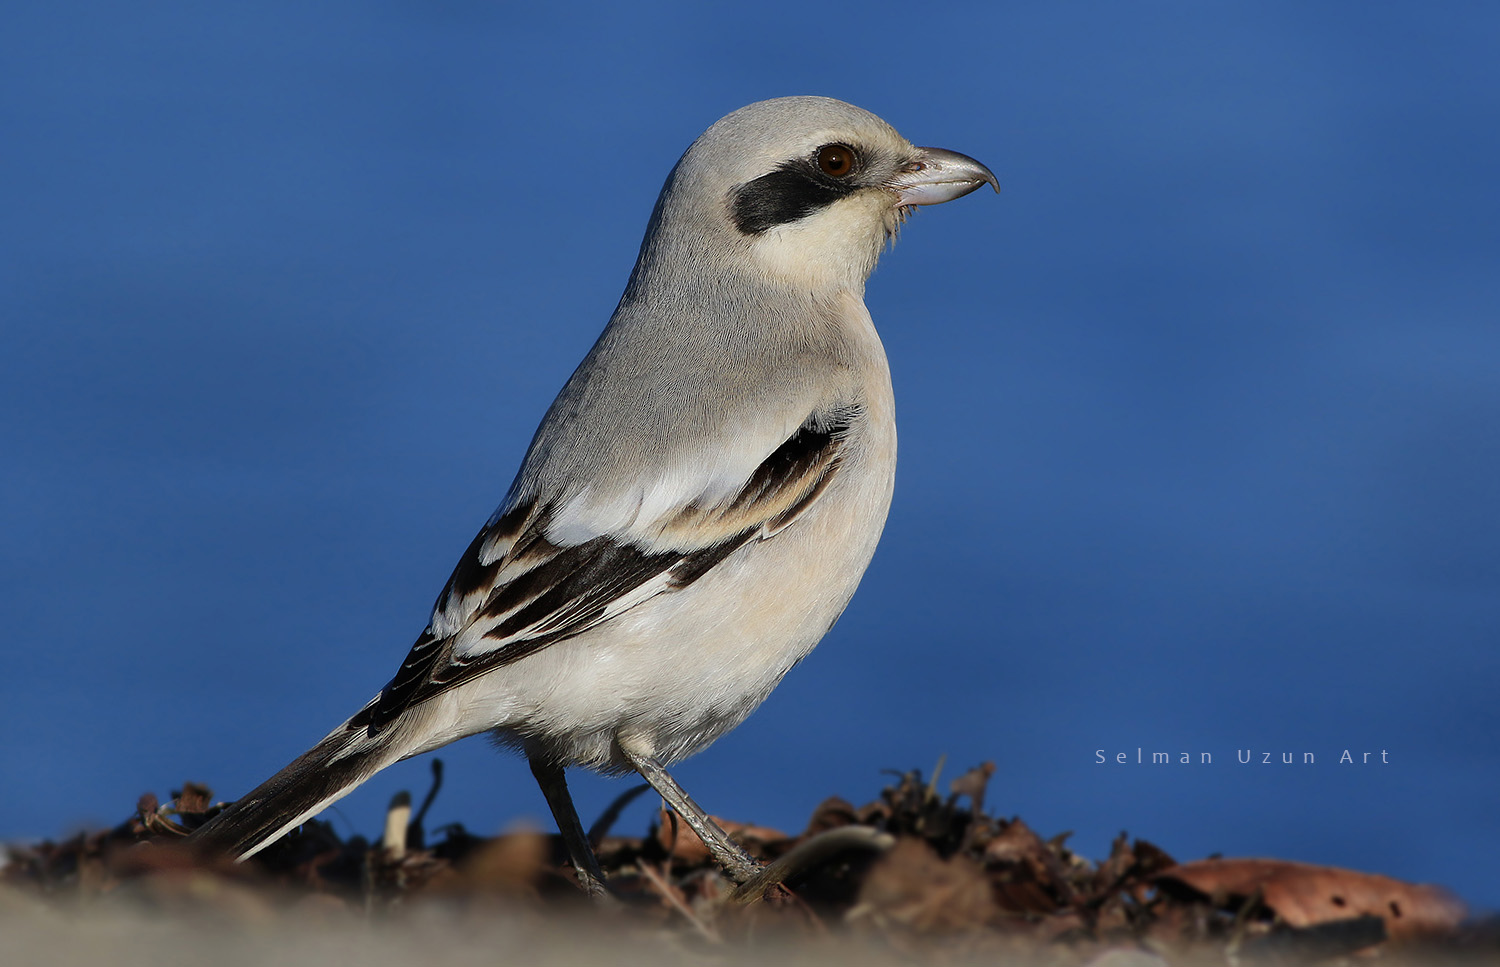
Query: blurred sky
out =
(1198, 418)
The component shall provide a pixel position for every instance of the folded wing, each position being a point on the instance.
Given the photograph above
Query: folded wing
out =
(515, 591)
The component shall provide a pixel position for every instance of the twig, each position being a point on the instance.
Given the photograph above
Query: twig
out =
(675, 900)
(414, 833)
(937, 771)
(607, 819)
(809, 854)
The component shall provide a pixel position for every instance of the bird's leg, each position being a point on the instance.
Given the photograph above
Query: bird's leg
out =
(555, 787)
(736, 862)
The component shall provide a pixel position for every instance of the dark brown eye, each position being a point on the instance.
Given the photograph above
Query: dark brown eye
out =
(836, 160)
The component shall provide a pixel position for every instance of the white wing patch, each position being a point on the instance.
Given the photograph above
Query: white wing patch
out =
(539, 574)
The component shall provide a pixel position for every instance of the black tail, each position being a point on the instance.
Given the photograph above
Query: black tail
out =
(317, 778)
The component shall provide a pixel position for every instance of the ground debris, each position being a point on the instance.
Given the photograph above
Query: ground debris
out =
(916, 872)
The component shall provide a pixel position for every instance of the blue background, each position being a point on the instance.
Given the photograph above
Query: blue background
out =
(1199, 446)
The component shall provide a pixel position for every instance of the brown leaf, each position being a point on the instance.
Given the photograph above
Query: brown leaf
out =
(1303, 894)
(678, 839)
(911, 885)
(1026, 873)
(876, 814)
(973, 784)
(830, 814)
(1114, 869)
(1151, 858)
(194, 798)
(1128, 870)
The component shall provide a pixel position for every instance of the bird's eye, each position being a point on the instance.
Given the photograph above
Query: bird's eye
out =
(836, 160)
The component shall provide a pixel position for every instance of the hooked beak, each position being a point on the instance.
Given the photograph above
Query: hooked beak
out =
(936, 176)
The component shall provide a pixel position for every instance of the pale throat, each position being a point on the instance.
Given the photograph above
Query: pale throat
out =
(833, 250)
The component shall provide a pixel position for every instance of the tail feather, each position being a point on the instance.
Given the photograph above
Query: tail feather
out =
(315, 780)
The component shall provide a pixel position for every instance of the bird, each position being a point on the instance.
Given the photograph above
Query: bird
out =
(696, 507)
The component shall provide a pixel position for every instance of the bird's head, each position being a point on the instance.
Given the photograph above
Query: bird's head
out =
(805, 191)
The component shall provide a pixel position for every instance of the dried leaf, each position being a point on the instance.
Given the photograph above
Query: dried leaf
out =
(1027, 875)
(973, 784)
(831, 813)
(914, 887)
(1302, 894)
(678, 839)
(194, 798)
(952, 887)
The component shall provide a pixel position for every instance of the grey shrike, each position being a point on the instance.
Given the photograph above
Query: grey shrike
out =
(696, 507)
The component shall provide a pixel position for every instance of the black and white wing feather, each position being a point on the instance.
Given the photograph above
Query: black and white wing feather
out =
(515, 591)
